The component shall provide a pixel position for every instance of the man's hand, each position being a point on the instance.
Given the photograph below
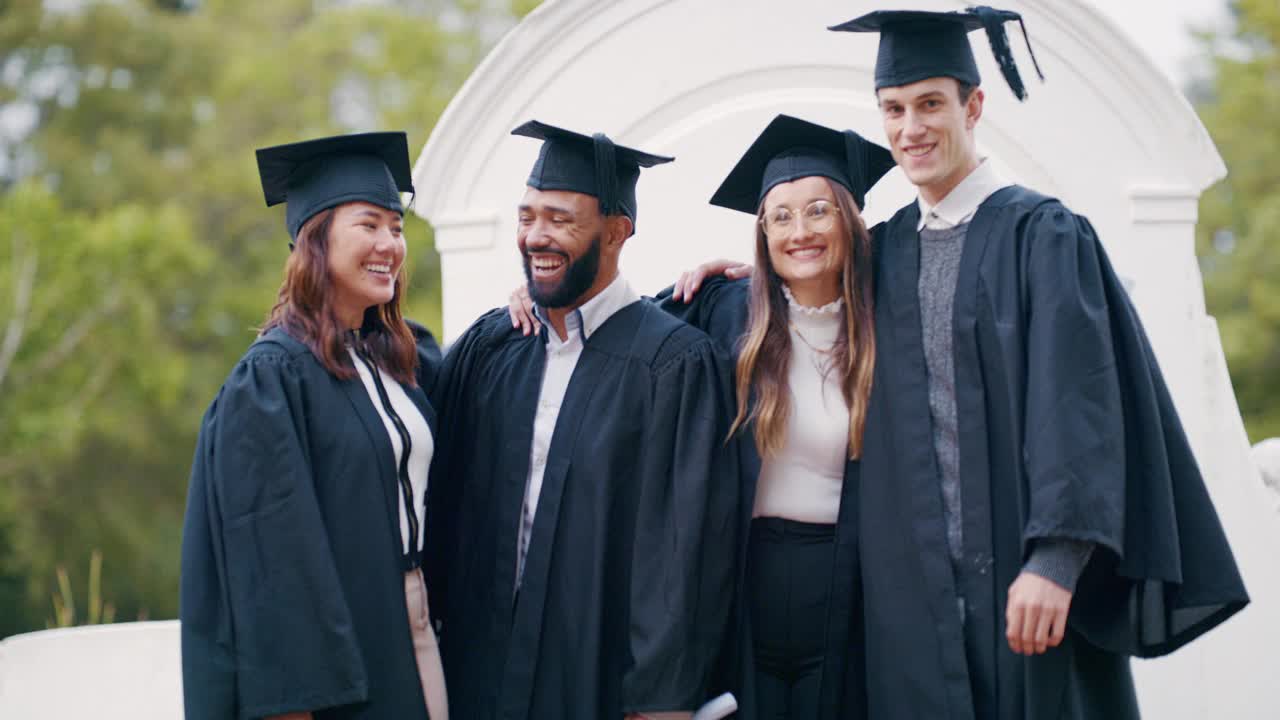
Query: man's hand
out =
(689, 282)
(1036, 614)
(520, 307)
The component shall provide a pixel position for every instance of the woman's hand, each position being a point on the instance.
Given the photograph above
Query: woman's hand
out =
(690, 281)
(520, 307)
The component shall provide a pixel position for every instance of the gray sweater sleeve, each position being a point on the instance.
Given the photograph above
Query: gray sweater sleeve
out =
(1059, 560)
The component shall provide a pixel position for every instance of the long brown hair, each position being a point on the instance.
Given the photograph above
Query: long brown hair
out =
(764, 357)
(305, 309)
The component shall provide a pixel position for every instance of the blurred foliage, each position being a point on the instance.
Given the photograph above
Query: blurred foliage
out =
(1239, 229)
(136, 255)
(97, 610)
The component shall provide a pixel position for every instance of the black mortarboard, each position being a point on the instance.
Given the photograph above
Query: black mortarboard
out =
(791, 148)
(316, 175)
(916, 45)
(589, 164)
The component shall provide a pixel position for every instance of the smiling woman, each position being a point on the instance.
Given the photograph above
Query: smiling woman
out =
(802, 331)
(365, 259)
(305, 513)
(346, 274)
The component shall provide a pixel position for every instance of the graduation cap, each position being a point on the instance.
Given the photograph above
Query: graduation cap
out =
(791, 148)
(316, 175)
(588, 164)
(915, 45)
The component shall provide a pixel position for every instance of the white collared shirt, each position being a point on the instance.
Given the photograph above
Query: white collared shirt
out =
(961, 204)
(562, 358)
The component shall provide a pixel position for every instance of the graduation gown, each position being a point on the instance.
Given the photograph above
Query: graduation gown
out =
(429, 354)
(721, 309)
(1067, 431)
(292, 589)
(628, 578)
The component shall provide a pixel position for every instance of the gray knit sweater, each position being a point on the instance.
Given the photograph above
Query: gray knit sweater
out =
(1059, 560)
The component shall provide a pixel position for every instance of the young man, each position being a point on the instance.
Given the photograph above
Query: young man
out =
(584, 497)
(1031, 512)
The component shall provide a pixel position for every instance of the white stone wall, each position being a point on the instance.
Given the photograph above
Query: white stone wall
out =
(1266, 456)
(128, 671)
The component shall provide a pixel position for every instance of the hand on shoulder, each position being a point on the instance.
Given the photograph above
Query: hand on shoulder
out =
(691, 281)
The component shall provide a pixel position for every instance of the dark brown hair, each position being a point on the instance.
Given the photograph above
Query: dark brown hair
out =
(305, 309)
(764, 357)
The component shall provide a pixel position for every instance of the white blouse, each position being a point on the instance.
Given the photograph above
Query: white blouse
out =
(421, 444)
(803, 481)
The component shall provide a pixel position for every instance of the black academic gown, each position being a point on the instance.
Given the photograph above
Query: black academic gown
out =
(292, 591)
(429, 355)
(721, 309)
(628, 577)
(1066, 431)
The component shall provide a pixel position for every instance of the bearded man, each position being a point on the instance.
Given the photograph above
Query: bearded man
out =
(583, 499)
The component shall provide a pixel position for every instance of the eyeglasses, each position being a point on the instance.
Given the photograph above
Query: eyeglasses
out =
(818, 216)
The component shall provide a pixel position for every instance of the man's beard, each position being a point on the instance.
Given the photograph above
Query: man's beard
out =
(578, 278)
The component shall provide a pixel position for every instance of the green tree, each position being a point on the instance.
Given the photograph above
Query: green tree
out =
(88, 358)
(1239, 238)
(136, 255)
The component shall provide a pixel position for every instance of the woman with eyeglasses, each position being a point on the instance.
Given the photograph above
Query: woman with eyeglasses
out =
(801, 330)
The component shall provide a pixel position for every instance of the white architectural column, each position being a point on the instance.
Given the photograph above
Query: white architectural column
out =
(1158, 261)
(467, 243)
(1266, 455)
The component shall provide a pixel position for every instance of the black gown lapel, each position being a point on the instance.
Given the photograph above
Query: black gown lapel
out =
(508, 494)
(526, 630)
(976, 570)
(842, 688)
(917, 485)
(386, 475)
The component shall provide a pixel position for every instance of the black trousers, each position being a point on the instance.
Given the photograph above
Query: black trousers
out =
(789, 580)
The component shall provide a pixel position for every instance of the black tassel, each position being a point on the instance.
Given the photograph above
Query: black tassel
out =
(993, 22)
(1027, 39)
(606, 174)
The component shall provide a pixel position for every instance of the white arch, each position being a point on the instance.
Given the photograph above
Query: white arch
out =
(1107, 132)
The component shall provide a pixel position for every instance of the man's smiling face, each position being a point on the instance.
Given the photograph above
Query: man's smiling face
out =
(930, 132)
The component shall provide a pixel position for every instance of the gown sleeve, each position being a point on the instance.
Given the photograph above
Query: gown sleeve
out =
(719, 309)
(265, 626)
(429, 355)
(682, 569)
(451, 380)
(1104, 442)
(1073, 430)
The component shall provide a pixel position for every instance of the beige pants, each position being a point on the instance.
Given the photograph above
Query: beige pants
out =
(425, 648)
